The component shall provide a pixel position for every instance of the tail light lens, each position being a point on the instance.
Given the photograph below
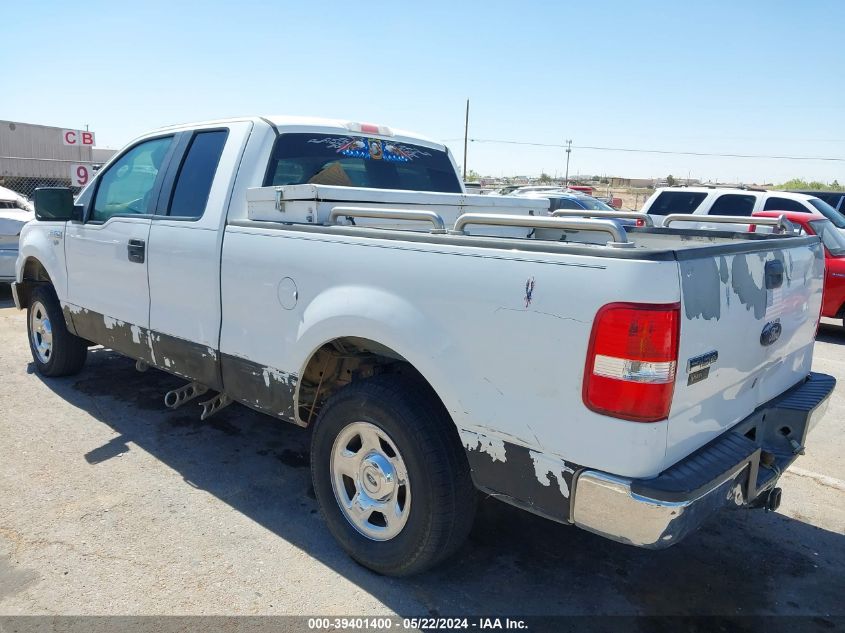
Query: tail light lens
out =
(632, 360)
(640, 222)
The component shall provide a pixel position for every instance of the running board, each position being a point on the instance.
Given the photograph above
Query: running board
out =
(210, 407)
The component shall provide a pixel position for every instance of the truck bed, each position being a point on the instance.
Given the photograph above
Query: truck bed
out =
(529, 304)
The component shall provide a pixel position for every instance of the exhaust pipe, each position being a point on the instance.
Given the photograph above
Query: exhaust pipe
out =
(178, 397)
(210, 407)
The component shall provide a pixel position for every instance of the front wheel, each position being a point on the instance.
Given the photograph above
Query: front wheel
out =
(56, 351)
(391, 476)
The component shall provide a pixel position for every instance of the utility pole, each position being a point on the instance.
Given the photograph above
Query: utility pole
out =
(568, 151)
(466, 138)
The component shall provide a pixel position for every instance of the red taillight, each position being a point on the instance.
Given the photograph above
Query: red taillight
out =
(631, 361)
(640, 222)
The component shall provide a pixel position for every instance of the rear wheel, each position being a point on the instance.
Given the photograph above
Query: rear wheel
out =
(56, 351)
(390, 475)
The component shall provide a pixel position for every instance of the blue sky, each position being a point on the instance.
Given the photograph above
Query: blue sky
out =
(725, 77)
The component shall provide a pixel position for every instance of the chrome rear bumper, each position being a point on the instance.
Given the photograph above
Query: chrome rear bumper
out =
(738, 468)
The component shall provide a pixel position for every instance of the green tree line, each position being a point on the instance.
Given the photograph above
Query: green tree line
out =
(798, 183)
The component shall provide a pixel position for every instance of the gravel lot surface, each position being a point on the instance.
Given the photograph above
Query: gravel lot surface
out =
(112, 504)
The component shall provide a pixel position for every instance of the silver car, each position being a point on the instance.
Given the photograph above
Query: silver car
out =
(15, 211)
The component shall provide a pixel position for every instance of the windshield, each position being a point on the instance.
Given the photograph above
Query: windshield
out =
(832, 239)
(829, 212)
(359, 161)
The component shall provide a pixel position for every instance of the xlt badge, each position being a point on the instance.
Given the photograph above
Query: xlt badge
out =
(698, 367)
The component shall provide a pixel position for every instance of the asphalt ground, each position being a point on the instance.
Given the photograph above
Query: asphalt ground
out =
(112, 504)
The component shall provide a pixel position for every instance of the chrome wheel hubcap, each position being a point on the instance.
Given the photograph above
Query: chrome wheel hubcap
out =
(41, 332)
(370, 481)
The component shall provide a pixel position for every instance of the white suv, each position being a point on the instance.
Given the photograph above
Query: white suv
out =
(738, 202)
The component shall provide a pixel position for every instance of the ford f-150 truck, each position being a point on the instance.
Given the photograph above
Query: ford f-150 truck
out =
(629, 380)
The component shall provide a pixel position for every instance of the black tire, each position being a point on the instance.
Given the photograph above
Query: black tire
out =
(442, 495)
(67, 352)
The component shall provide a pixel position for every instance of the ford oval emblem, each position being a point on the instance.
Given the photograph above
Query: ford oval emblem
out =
(771, 333)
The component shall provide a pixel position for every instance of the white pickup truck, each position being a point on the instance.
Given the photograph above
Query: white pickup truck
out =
(629, 380)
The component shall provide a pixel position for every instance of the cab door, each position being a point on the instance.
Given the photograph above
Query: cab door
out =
(184, 250)
(106, 253)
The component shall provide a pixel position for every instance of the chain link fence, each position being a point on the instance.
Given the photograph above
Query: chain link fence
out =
(27, 186)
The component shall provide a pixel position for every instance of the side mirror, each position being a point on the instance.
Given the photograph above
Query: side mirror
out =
(55, 203)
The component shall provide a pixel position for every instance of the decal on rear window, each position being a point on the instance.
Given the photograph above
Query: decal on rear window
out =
(373, 148)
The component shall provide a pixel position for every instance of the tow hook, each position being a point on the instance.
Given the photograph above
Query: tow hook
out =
(773, 498)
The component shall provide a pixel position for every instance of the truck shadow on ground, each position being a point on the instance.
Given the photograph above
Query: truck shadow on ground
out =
(514, 563)
(831, 333)
(6, 296)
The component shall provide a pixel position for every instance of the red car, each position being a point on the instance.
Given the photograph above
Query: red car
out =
(834, 256)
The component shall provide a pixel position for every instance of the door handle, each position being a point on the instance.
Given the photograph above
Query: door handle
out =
(136, 250)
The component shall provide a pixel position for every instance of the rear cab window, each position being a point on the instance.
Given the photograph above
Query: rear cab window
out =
(359, 161)
(677, 202)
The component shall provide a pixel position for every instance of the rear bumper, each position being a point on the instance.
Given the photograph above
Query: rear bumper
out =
(738, 468)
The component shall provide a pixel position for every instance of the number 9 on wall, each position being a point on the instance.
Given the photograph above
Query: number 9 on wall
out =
(80, 175)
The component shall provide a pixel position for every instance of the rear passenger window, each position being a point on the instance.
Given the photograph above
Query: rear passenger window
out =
(193, 184)
(733, 204)
(784, 204)
(676, 202)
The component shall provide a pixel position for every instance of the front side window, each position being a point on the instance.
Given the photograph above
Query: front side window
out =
(677, 202)
(196, 174)
(358, 161)
(733, 204)
(594, 205)
(128, 185)
(564, 203)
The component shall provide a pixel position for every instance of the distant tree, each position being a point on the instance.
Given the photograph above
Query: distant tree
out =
(800, 183)
(544, 177)
(473, 176)
(670, 180)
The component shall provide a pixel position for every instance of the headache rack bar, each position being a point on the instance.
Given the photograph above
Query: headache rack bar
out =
(586, 213)
(378, 213)
(781, 223)
(617, 233)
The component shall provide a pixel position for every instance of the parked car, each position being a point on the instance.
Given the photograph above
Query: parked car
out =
(263, 260)
(567, 200)
(15, 211)
(513, 190)
(575, 200)
(833, 305)
(735, 202)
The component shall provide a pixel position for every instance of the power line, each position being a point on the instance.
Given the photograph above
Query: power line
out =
(656, 151)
